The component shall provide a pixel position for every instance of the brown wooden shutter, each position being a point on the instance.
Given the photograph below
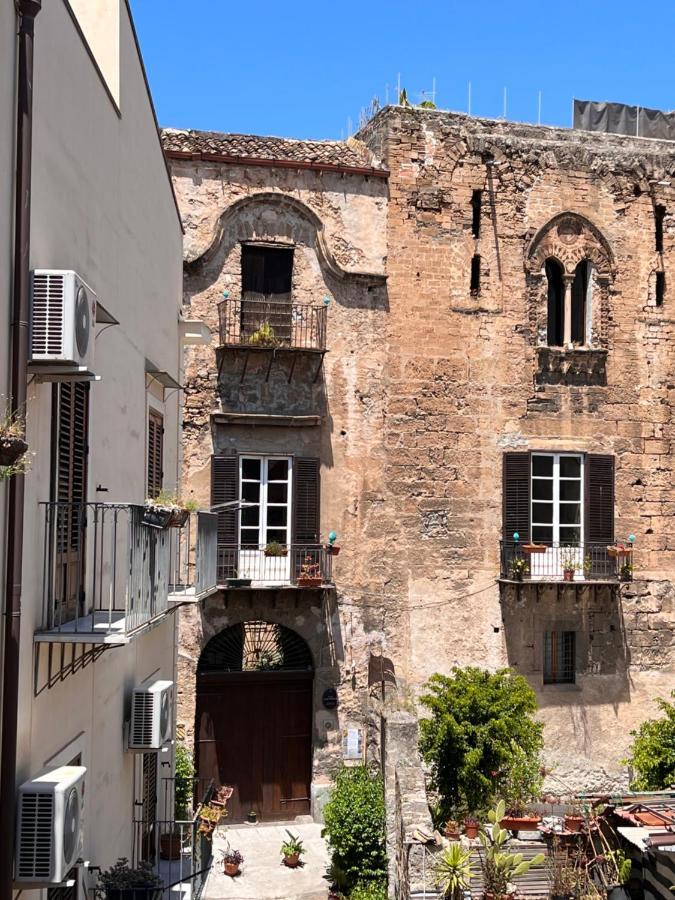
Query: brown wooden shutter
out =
(306, 499)
(516, 496)
(599, 498)
(72, 448)
(155, 453)
(224, 489)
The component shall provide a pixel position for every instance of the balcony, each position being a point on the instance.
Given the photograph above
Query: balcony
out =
(267, 324)
(587, 563)
(302, 566)
(108, 575)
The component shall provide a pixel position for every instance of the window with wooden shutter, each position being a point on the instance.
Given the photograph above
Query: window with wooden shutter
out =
(155, 453)
(225, 489)
(306, 500)
(599, 512)
(559, 657)
(516, 496)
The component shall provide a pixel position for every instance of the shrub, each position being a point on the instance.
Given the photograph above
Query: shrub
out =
(184, 781)
(354, 827)
(653, 751)
(369, 890)
(476, 719)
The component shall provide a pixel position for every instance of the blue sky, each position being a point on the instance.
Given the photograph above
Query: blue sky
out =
(304, 69)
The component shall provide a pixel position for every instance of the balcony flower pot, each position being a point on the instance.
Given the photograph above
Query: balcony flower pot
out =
(292, 860)
(157, 517)
(471, 828)
(520, 823)
(618, 550)
(123, 882)
(178, 518)
(275, 549)
(310, 581)
(534, 548)
(170, 845)
(239, 582)
(573, 823)
(11, 448)
(232, 860)
(568, 574)
(333, 549)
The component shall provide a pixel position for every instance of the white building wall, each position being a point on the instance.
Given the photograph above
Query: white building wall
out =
(102, 205)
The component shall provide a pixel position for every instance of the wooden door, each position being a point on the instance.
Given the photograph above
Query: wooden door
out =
(254, 732)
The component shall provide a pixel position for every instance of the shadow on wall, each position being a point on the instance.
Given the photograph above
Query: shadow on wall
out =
(591, 667)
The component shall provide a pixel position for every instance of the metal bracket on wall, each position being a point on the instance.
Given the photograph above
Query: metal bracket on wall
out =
(319, 367)
(59, 667)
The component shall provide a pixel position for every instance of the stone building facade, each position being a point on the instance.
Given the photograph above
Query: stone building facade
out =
(494, 303)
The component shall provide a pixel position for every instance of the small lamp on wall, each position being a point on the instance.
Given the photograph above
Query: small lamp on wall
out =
(332, 548)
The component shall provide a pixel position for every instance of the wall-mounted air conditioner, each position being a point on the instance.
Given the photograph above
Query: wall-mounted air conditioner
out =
(151, 712)
(63, 318)
(49, 825)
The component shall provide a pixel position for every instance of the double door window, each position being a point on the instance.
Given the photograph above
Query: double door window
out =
(265, 484)
(557, 498)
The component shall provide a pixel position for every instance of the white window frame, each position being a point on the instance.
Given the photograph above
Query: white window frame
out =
(556, 501)
(262, 499)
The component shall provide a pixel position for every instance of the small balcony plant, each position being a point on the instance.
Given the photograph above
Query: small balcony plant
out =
(209, 818)
(232, 860)
(274, 548)
(124, 882)
(292, 850)
(310, 573)
(518, 568)
(167, 510)
(569, 560)
(626, 572)
(264, 337)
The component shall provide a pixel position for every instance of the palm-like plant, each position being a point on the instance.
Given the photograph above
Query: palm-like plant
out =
(499, 866)
(453, 872)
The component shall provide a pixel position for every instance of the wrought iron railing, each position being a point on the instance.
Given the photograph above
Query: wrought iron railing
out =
(522, 561)
(194, 556)
(268, 323)
(106, 571)
(301, 565)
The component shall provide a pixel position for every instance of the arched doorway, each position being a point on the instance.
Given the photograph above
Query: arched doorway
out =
(253, 726)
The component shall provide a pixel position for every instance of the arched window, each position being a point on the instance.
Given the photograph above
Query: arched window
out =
(556, 303)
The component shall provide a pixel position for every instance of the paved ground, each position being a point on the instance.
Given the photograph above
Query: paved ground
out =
(263, 874)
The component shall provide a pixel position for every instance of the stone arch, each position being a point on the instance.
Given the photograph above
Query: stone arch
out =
(256, 645)
(268, 215)
(570, 238)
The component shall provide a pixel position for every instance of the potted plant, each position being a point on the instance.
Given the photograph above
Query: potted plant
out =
(292, 850)
(232, 859)
(569, 560)
(574, 819)
(209, 817)
(453, 872)
(264, 337)
(619, 550)
(500, 867)
(451, 830)
(565, 878)
(274, 548)
(122, 882)
(471, 827)
(221, 796)
(252, 817)
(310, 573)
(518, 567)
(626, 572)
(12, 439)
(171, 843)
(588, 565)
(520, 787)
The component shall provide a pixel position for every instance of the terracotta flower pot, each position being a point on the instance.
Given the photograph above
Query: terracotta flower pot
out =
(573, 823)
(534, 548)
(333, 549)
(309, 581)
(568, 574)
(292, 861)
(178, 518)
(490, 896)
(451, 835)
(231, 869)
(471, 830)
(520, 823)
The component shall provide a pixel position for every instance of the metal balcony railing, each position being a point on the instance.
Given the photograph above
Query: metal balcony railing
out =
(303, 565)
(194, 556)
(272, 323)
(586, 562)
(107, 573)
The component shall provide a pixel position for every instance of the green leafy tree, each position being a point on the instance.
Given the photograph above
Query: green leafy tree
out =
(185, 771)
(354, 826)
(476, 719)
(653, 751)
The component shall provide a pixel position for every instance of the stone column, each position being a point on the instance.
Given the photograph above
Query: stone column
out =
(567, 310)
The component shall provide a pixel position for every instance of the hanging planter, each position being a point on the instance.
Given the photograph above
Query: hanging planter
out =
(333, 549)
(11, 449)
(178, 518)
(157, 517)
(619, 550)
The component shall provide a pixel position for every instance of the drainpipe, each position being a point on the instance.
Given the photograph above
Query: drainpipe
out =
(27, 11)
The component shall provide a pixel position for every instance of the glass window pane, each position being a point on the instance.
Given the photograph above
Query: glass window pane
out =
(277, 470)
(570, 534)
(570, 467)
(250, 516)
(250, 537)
(542, 512)
(250, 490)
(542, 465)
(277, 534)
(250, 468)
(277, 493)
(277, 515)
(542, 534)
(570, 513)
(570, 490)
(542, 489)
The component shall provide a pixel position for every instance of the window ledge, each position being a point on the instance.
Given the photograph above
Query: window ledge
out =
(583, 366)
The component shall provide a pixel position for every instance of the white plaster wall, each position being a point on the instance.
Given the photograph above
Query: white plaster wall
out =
(103, 206)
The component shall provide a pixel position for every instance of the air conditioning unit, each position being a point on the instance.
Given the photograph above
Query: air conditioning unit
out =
(63, 318)
(151, 709)
(49, 825)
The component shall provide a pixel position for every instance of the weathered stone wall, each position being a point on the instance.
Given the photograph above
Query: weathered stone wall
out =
(426, 385)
